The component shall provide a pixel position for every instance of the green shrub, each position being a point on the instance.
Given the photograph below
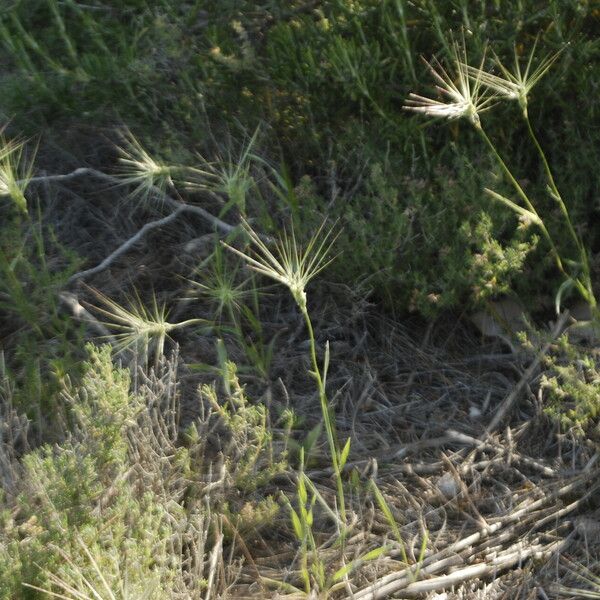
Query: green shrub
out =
(571, 387)
(388, 240)
(42, 342)
(68, 493)
(121, 502)
(328, 80)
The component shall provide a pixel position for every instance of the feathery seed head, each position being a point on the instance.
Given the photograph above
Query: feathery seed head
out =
(230, 176)
(220, 285)
(140, 170)
(138, 327)
(15, 172)
(516, 84)
(462, 93)
(287, 263)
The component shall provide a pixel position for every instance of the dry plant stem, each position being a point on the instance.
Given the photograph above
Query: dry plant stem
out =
(464, 491)
(508, 402)
(512, 556)
(171, 202)
(451, 437)
(178, 209)
(245, 550)
(215, 555)
(454, 555)
(499, 563)
(125, 246)
(79, 312)
(463, 438)
(331, 436)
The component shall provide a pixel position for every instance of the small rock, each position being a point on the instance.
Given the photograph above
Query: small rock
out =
(474, 412)
(446, 484)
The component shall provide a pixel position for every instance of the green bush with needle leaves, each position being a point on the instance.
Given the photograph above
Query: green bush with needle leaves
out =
(328, 80)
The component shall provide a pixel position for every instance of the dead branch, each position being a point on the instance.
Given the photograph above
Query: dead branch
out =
(125, 246)
(165, 199)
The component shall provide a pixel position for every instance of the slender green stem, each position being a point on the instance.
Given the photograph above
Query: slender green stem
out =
(329, 427)
(520, 191)
(585, 287)
(405, 41)
(522, 194)
(553, 186)
(187, 323)
(583, 255)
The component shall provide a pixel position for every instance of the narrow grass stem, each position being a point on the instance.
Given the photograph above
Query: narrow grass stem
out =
(329, 426)
(553, 186)
(583, 255)
(187, 323)
(523, 195)
(520, 191)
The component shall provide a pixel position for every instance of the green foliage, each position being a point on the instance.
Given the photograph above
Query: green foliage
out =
(329, 81)
(398, 254)
(250, 458)
(268, 111)
(469, 92)
(104, 407)
(232, 299)
(492, 270)
(572, 385)
(78, 59)
(67, 494)
(121, 504)
(44, 342)
(41, 341)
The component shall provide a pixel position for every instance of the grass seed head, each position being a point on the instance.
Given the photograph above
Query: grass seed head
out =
(229, 176)
(139, 327)
(462, 95)
(220, 285)
(287, 263)
(140, 170)
(518, 83)
(15, 172)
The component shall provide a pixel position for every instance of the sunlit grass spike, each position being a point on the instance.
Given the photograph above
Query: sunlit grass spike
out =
(140, 170)
(139, 327)
(462, 95)
(15, 172)
(287, 263)
(518, 83)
